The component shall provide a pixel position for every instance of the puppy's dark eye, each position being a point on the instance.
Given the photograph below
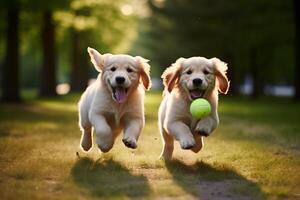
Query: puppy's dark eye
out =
(129, 70)
(189, 72)
(113, 69)
(205, 72)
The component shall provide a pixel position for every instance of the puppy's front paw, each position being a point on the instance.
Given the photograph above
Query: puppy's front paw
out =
(187, 143)
(130, 142)
(203, 129)
(203, 132)
(104, 147)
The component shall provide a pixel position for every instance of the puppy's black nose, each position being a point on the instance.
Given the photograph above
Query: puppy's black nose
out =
(197, 81)
(120, 80)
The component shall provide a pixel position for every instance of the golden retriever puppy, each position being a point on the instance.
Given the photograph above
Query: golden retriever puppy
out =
(186, 80)
(115, 101)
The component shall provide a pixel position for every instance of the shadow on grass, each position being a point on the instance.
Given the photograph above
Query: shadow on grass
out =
(108, 178)
(205, 181)
(29, 114)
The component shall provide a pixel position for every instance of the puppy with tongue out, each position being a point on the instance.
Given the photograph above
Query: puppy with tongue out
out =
(115, 101)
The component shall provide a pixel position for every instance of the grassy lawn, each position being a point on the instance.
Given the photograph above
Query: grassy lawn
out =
(254, 154)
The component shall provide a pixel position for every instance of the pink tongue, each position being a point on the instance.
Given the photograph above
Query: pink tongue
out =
(120, 95)
(196, 93)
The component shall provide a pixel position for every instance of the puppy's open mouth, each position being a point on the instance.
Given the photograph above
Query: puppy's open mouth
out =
(196, 93)
(119, 94)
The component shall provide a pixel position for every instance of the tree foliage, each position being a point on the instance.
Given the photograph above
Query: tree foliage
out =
(109, 26)
(235, 31)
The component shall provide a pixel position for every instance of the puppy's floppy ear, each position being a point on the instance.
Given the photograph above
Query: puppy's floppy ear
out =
(145, 71)
(171, 75)
(220, 69)
(97, 59)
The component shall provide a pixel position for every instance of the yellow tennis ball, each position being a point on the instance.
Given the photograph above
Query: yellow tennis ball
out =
(200, 108)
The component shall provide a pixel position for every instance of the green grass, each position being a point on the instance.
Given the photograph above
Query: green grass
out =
(255, 153)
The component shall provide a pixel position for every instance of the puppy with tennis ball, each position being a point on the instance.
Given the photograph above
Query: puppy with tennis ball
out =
(188, 111)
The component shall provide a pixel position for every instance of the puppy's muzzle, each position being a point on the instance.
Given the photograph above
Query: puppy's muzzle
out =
(197, 92)
(119, 91)
(120, 80)
(197, 82)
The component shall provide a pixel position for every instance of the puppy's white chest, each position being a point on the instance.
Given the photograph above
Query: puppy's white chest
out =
(113, 118)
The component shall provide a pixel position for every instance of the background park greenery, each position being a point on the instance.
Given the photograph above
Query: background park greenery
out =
(254, 154)
(44, 43)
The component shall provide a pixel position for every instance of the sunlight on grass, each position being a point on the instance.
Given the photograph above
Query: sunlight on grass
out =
(254, 153)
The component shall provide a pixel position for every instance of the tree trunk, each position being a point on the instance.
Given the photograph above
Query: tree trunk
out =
(297, 49)
(48, 71)
(79, 69)
(10, 74)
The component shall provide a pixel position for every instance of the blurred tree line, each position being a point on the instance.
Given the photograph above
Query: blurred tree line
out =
(43, 43)
(255, 37)
(38, 36)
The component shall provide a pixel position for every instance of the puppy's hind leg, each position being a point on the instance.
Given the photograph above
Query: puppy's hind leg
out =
(168, 146)
(86, 139)
(86, 129)
(199, 144)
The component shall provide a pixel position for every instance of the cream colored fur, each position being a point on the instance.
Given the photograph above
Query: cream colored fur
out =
(175, 120)
(99, 110)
